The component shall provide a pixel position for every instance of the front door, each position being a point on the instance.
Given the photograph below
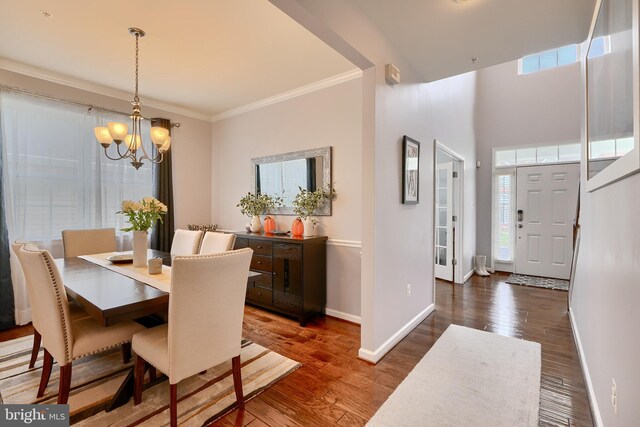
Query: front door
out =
(444, 225)
(546, 199)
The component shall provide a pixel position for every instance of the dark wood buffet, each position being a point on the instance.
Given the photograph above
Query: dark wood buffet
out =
(294, 273)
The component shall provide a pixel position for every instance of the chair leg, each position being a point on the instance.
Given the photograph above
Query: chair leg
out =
(36, 348)
(138, 375)
(126, 352)
(65, 384)
(46, 372)
(237, 381)
(173, 404)
(153, 374)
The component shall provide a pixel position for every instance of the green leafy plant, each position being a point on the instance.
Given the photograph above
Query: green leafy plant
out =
(307, 203)
(258, 204)
(142, 214)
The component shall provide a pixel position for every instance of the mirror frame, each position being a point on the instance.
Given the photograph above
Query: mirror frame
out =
(324, 152)
(630, 162)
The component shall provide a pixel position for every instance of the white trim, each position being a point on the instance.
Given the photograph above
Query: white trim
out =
(595, 412)
(344, 243)
(322, 84)
(342, 315)
(376, 355)
(459, 241)
(468, 276)
(61, 79)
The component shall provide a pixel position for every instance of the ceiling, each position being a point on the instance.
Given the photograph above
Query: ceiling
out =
(440, 37)
(208, 56)
(211, 56)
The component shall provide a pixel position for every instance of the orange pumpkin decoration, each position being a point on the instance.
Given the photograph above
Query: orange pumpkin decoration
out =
(297, 228)
(269, 225)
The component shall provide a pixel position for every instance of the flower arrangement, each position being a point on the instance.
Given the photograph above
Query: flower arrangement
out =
(308, 202)
(142, 214)
(258, 204)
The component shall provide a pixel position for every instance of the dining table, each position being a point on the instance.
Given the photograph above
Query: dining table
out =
(111, 296)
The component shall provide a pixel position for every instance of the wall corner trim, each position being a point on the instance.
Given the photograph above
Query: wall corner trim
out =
(595, 412)
(376, 355)
(468, 276)
(342, 315)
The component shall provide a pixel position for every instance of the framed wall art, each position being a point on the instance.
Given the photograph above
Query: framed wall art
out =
(410, 170)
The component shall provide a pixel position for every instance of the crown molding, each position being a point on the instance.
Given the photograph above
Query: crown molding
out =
(322, 84)
(53, 77)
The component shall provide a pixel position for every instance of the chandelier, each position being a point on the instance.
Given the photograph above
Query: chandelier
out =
(117, 132)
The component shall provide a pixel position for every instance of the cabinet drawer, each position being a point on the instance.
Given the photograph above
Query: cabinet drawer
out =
(260, 247)
(260, 296)
(264, 281)
(261, 263)
(285, 250)
(241, 243)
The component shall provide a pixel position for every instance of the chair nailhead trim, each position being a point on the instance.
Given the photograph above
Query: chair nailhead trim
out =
(56, 288)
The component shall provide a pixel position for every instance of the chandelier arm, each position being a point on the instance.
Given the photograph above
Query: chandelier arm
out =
(122, 156)
(112, 158)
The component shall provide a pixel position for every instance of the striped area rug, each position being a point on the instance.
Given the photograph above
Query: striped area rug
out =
(201, 398)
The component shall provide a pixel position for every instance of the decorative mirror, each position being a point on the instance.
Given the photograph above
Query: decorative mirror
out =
(282, 174)
(612, 91)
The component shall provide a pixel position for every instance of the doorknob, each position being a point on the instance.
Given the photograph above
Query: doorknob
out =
(520, 215)
(519, 225)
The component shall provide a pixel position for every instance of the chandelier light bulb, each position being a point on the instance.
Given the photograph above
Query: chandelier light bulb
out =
(133, 143)
(166, 145)
(118, 131)
(159, 136)
(103, 136)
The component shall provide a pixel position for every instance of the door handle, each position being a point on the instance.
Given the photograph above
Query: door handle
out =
(519, 225)
(520, 215)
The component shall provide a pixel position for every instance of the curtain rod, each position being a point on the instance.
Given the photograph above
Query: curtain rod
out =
(89, 107)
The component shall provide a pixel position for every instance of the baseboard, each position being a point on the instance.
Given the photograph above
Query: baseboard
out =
(375, 356)
(595, 412)
(341, 315)
(468, 276)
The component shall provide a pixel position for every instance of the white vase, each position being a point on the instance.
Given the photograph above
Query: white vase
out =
(256, 225)
(140, 244)
(309, 227)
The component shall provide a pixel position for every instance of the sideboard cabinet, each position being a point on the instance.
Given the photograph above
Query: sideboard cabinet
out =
(294, 273)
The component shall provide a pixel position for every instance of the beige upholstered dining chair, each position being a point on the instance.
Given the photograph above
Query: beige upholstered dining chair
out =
(206, 308)
(65, 339)
(186, 242)
(86, 242)
(74, 311)
(214, 242)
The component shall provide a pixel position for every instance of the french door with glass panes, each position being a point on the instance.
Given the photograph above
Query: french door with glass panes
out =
(444, 222)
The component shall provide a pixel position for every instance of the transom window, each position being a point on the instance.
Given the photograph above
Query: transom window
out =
(509, 157)
(561, 56)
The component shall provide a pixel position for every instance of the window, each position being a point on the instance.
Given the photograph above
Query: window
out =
(564, 55)
(504, 211)
(57, 175)
(509, 157)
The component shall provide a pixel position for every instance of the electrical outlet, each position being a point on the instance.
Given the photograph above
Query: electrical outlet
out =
(614, 396)
(409, 290)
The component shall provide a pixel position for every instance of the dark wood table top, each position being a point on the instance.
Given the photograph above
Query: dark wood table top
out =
(111, 297)
(108, 296)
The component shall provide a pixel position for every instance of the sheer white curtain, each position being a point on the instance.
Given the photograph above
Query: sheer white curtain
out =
(56, 176)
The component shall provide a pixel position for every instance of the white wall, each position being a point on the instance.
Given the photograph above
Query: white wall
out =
(397, 239)
(512, 109)
(330, 116)
(190, 144)
(605, 297)
(452, 104)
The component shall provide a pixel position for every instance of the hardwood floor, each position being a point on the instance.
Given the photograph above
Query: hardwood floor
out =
(334, 387)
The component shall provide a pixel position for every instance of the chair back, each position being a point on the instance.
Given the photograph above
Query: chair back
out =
(214, 242)
(186, 242)
(15, 247)
(86, 242)
(206, 308)
(51, 304)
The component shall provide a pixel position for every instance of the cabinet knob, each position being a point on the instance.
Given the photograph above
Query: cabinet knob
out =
(259, 246)
(259, 262)
(259, 293)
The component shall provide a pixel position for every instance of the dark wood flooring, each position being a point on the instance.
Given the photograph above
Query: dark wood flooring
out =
(334, 387)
